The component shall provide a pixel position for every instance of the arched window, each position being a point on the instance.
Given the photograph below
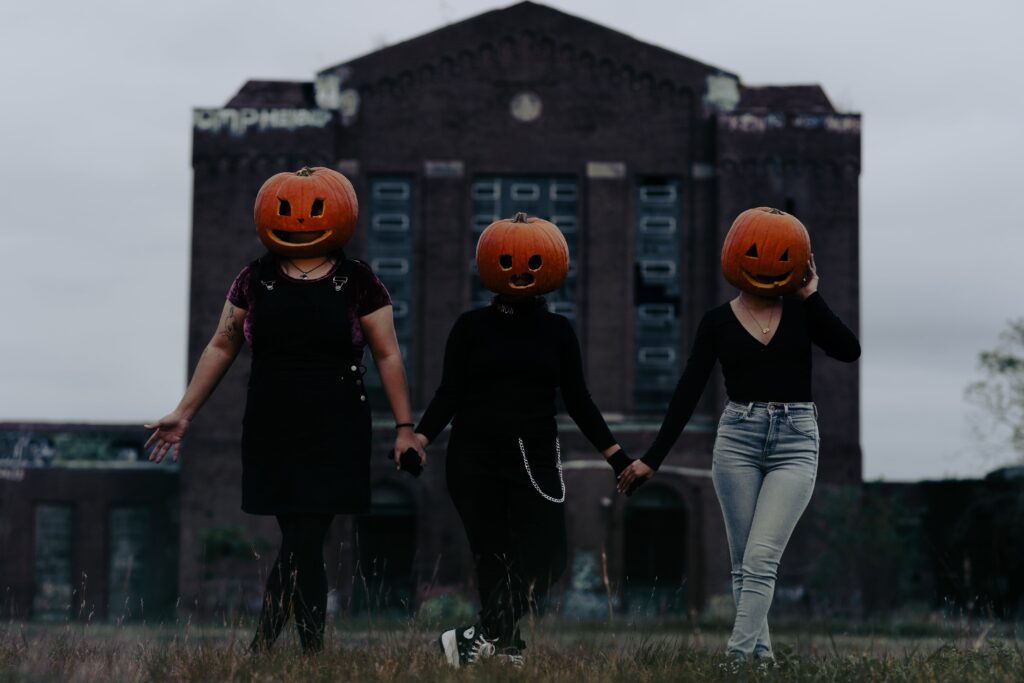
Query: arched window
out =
(385, 546)
(655, 560)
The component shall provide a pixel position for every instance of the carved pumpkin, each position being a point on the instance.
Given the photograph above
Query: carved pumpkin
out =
(766, 252)
(522, 256)
(311, 212)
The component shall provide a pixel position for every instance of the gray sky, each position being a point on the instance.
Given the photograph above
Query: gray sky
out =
(95, 178)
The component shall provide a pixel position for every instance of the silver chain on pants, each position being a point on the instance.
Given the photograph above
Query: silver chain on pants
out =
(558, 464)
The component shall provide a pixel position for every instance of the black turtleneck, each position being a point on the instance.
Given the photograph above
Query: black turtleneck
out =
(502, 365)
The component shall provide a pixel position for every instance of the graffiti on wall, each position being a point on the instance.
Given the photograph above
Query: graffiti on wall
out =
(830, 122)
(748, 122)
(239, 122)
(752, 123)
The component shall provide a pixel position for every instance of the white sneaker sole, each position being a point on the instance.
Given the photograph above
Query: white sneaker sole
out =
(450, 647)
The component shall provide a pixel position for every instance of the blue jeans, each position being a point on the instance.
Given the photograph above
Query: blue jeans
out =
(765, 463)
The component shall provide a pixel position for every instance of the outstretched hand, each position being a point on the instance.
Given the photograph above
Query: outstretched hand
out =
(635, 475)
(170, 430)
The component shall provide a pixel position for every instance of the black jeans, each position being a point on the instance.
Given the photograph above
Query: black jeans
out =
(517, 537)
(297, 583)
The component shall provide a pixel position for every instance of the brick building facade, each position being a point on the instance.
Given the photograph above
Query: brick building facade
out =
(643, 157)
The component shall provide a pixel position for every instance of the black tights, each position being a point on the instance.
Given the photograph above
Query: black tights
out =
(297, 583)
(517, 538)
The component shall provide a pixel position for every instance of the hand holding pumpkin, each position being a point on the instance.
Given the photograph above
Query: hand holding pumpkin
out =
(810, 285)
(170, 430)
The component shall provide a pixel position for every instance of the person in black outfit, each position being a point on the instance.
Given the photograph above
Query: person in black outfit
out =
(502, 366)
(306, 432)
(766, 448)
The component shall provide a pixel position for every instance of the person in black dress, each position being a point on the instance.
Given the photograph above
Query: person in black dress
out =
(307, 312)
(766, 448)
(502, 367)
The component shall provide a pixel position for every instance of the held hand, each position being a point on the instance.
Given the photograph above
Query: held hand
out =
(634, 476)
(619, 462)
(406, 439)
(170, 430)
(810, 285)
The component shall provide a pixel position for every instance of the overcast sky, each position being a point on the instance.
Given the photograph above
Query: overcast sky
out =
(95, 181)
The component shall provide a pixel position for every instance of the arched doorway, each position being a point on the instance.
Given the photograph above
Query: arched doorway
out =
(385, 546)
(655, 553)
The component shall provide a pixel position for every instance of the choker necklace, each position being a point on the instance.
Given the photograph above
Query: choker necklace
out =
(515, 306)
(305, 273)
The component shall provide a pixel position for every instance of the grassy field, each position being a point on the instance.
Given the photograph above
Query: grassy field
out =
(637, 653)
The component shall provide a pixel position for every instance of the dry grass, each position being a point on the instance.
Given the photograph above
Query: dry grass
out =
(77, 652)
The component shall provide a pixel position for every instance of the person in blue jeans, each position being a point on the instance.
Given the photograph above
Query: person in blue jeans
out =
(766, 450)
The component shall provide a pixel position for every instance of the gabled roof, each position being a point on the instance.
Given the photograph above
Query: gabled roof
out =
(804, 98)
(526, 17)
(274, 94)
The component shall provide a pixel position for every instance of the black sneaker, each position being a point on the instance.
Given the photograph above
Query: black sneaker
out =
(465, 645)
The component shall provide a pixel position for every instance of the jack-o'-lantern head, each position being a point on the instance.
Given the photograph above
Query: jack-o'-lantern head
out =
(766, 252)
(311, 212)
(522, 256)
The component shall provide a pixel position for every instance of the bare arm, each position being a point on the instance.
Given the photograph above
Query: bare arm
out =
(379, 328)
(214, 362)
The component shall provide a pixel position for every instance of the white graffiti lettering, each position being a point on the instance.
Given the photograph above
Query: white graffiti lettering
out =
(842, 124)
(12, 473)
(762, 123)
(753, 123)
(238, 122)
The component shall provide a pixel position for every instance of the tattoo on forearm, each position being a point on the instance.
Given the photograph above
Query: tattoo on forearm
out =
(230, 328)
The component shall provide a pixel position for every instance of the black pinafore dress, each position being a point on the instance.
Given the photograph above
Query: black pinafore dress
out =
(306, 431)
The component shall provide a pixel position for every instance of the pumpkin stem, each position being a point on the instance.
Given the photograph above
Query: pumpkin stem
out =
(520, 217)
(775, 211)
(304, 171)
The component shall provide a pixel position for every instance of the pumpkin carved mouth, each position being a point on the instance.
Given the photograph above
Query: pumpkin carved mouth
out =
(767, 281)
(300, 237)
(521, 281)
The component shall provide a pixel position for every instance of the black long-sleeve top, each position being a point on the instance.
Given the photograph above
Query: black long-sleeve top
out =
(502, 365)
(777, 372)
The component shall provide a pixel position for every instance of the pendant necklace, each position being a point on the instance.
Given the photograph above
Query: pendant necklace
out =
(764, 330)
(305, 273)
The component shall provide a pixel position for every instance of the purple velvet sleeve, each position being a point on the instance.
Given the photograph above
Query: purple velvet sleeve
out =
(371, 294)
(238, 293)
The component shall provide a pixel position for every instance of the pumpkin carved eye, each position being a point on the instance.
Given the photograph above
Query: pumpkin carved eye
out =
(752, 252)
(785, 255)
(505, 261)
(535, 262)
(318, 208)
(283, 207)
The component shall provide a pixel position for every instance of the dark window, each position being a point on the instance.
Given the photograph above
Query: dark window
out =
(655, 553)
(657, 330)
(129, 527)
(385, 547)
(53, 535)
(390, 241)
